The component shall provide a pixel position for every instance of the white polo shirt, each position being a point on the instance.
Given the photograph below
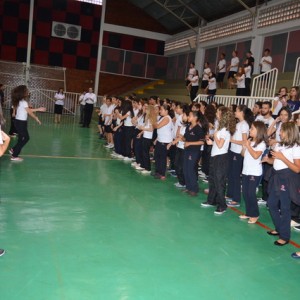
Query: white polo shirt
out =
(265, 66)
(225, 135)
(290, 153)
(253, 166)
(234, 61)
(241, 127)
(59, 98)
(22, 114)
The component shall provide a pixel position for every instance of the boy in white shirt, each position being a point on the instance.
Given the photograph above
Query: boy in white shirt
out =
(266, 62)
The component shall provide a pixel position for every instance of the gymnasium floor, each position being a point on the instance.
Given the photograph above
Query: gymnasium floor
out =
(76, 224)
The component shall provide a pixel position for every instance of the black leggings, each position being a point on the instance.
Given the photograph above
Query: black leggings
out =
(23, 137)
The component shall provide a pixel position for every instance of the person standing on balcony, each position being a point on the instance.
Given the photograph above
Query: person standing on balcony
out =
(205, 77)
(221, 70)
(90, 99)
(266, 62)
(248, 72)
(232, 68)
(190, 75)
(59, 105)
(194, 81)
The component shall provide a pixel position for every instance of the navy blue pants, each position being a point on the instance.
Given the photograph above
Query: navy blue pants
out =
(234, 176)
(128, 132)
(279, 203)
(145, 162)
(190, 168)
(88, 112)
(250, 183)
(172, 154)
(160, 156)
(137, 148)
(218, 168)
(179, 165)
(118, 140)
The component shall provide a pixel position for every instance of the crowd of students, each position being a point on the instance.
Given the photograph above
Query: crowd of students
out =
(238, 148)
(239, 74)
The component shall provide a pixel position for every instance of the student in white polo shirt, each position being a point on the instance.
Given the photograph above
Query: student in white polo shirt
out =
(20, 96)
(253, 150)
(59, 105)
(266, 62)
(284, 181)
(219, 160)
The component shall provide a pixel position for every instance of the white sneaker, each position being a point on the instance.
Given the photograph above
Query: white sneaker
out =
(16, 159)
(127, 158)
(134, 164)
(261, 202)
(297, 228)
(178, 185)
(139, 168)
(110, 146)
(293, 223)
(119, 156)
(146, 172)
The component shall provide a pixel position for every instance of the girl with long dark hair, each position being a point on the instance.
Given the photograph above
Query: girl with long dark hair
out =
(20, 96)
(128, 128)
(253, 150)
(218, 166)
(194, 138)
(164, 137)
(245, 119)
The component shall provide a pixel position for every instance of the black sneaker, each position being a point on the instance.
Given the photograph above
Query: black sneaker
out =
(2, 252)
(219, 211)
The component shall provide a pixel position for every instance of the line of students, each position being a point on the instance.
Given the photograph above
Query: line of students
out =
(238, 150)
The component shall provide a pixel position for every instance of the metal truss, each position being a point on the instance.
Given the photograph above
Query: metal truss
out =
(182, 11)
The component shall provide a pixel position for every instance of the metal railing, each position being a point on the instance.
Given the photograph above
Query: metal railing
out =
(229, 100)
(45, 98)
(264, 85)
(296, 80)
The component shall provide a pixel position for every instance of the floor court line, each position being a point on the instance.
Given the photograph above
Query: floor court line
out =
(263, 226)
(66, 157)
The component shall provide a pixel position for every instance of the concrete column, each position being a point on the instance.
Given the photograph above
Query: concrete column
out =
(199, 59)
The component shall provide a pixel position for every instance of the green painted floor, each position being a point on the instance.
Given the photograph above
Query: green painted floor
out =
(76, 224)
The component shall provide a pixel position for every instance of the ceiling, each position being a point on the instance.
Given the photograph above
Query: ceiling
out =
(180, 15)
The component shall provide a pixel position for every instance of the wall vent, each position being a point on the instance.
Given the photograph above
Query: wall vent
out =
(66, 31)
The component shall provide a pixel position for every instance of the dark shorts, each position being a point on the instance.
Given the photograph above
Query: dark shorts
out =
(100, 121)
(108, 129)
(220, 77)
(231, 74)
(187, 82)
(58, 109)
(204, 84)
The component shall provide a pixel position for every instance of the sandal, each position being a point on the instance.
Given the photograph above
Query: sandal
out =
(252, 220)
